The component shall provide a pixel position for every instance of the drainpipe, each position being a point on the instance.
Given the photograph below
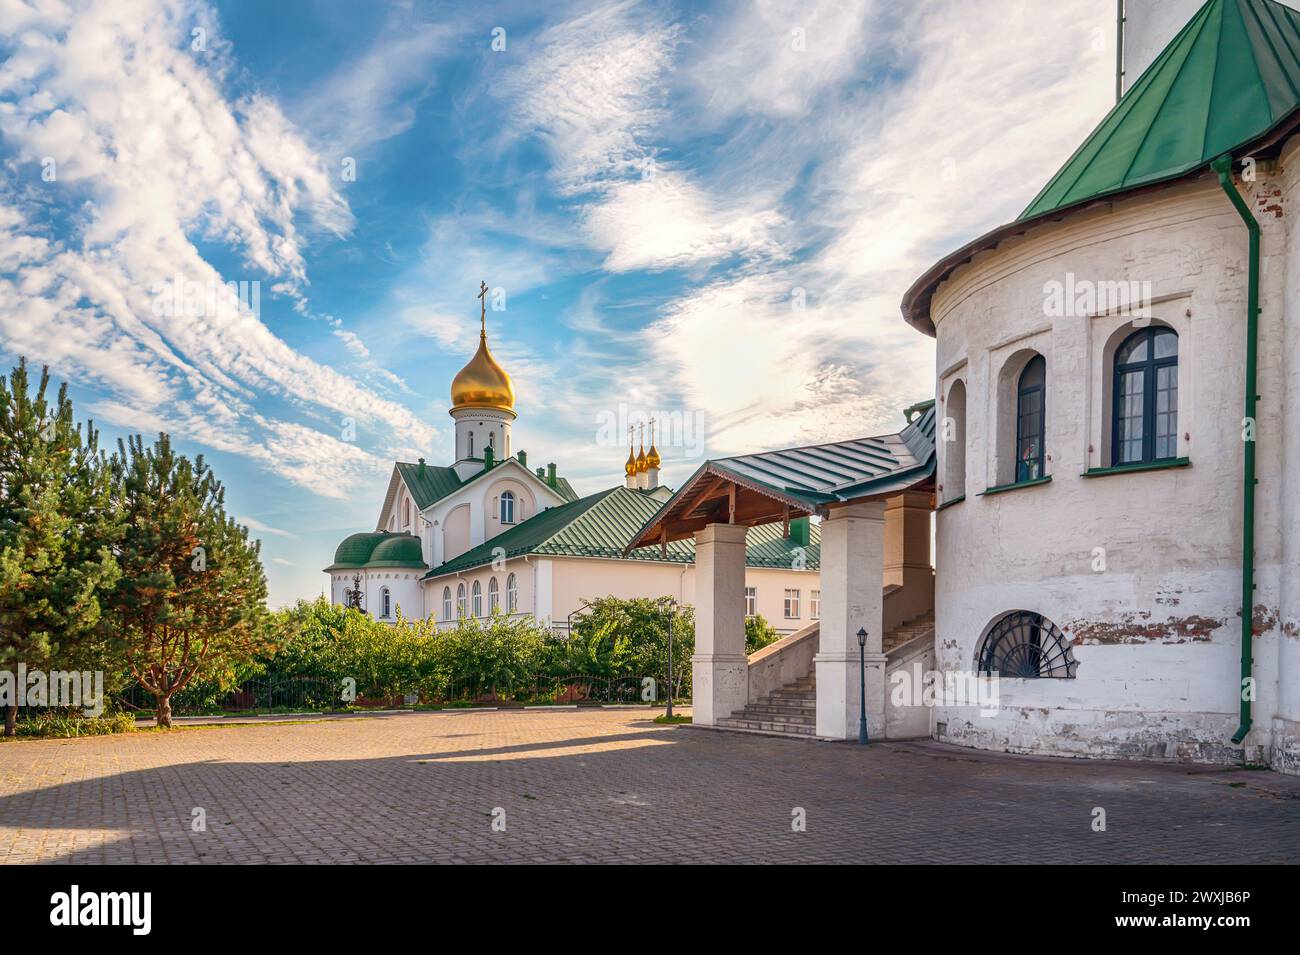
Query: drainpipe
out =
(1223, 166)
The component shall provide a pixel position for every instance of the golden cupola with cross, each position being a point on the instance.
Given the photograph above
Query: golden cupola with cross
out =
(482, 400)
(483, 383)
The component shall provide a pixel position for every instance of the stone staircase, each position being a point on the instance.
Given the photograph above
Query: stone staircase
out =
(909, 631)
(792, 710)
(789, 711)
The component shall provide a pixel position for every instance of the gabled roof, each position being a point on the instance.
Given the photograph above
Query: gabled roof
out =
(1229, 82)
(602, 525)
(799, 480)
(430, 483)
(1228, 76)
(823, 473)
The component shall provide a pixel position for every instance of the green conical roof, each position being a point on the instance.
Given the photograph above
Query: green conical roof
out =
(1226, 79)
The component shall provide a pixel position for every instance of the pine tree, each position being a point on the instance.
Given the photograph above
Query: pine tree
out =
(191, 601)
(56, 530)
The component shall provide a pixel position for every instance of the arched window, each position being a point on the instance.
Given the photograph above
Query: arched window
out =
(954, 443)
(507, 507)
(1144, 425)
(1030, 394)
(512, 594)
(385, 603)
(477, 593)
(406, 513)
(446, 603)
(494, 596)
(460, 600)
(1025, 645)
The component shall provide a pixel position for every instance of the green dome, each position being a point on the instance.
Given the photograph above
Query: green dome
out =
(378, 549)
(397, 550)
(355, 551)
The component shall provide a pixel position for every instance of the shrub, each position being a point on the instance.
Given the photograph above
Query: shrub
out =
(65, 723)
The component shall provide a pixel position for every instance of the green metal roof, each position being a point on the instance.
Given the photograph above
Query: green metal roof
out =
(1229, 81)
(603, 524)
(378, 549)
(1229, 76)
(808, 478)
(824, 473)
(428, 483)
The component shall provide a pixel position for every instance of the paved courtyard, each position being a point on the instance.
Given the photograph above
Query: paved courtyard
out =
(609, 786)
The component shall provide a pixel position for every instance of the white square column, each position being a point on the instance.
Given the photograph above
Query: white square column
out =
(719, 669)
(852, 567)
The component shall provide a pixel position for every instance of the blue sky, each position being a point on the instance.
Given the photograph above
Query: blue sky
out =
(707, 212)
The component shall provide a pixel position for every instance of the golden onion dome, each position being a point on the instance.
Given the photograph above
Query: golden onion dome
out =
(482, 383)
(630, 466)
(652, 458)
(641, 465)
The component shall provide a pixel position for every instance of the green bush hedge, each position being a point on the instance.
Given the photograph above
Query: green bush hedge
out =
(66, 723)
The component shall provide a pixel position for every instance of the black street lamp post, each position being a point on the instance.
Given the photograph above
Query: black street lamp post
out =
(672, 617)
(862, 673)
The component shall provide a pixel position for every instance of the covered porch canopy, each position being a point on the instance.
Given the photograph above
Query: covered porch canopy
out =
(846, 484)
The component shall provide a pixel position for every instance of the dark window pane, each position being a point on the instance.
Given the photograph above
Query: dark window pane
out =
(1166, 344)
(1135, 349)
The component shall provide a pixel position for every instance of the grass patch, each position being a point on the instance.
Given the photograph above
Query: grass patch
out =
(671, 720)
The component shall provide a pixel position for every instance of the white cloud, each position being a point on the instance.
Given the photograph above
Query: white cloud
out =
(154, 156)
(595, 89)
(782, 54)
(253, 524)
(665, 221)
(988, 107)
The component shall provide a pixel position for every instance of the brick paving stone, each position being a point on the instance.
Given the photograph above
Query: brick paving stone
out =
(609, 786)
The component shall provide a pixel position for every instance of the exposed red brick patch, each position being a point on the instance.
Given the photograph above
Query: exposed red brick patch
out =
(1140, 628)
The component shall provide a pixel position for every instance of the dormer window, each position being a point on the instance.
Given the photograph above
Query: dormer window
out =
(507, 507)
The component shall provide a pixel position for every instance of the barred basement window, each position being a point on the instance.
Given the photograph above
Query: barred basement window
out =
(1028, 646)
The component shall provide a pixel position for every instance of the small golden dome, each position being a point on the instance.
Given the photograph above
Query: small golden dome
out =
(652, 459)
(630, 466)
(482, 383)
(641, 465)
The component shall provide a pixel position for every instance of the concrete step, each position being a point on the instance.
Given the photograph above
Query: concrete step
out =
(785, 706)
(780, 727)
(769, 713)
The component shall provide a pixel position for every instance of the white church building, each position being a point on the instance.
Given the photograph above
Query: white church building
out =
(489, 535)
(1112, 458)
(1118, 527)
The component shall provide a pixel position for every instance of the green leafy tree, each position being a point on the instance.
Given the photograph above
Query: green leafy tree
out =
(57, 526)
(759, 634)
(191, 600)
(629, 637)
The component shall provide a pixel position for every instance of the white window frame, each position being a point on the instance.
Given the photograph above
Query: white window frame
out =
(751, 601)
(791, 603)
(815, 604)
(476, 598)
(507, 514)
(512, 594)
(385, 603)
(461, 604)
(446, 603)
(494, 596)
